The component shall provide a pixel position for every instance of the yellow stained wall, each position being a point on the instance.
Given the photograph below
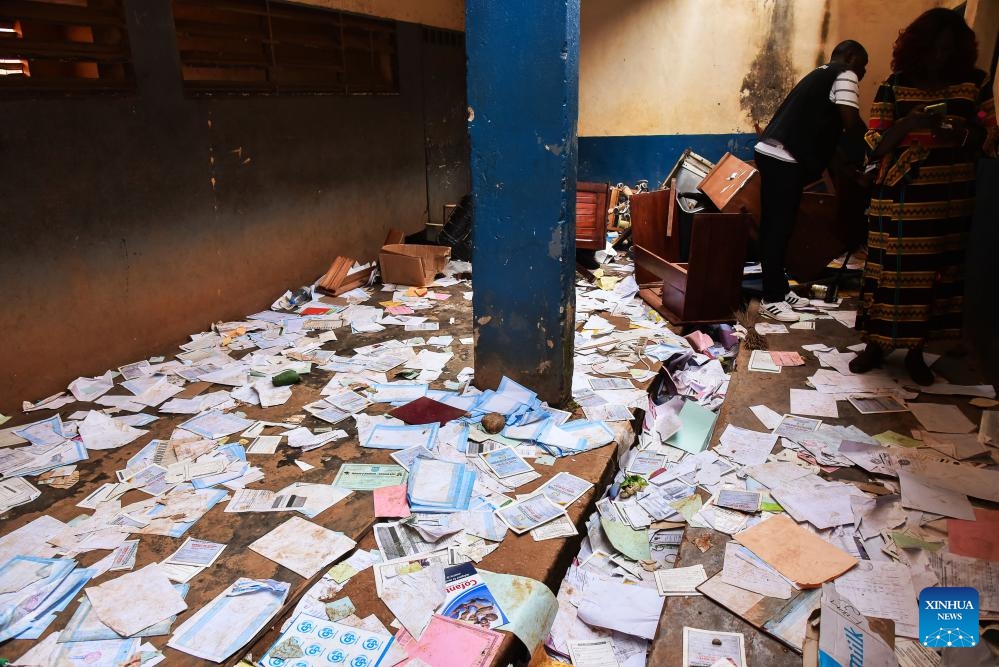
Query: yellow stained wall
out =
(448, 14)
(659, 67)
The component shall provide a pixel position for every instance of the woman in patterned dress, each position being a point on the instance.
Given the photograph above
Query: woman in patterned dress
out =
(930, 121)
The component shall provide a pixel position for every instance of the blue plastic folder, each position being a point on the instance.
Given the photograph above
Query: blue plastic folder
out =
(439, 486)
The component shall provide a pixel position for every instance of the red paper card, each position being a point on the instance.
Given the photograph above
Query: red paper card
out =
(977, 539)
(427, 411)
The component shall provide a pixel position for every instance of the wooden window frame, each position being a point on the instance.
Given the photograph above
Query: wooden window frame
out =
(103, 64)
(288, 51)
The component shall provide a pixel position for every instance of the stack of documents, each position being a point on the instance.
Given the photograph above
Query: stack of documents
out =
(439, 486)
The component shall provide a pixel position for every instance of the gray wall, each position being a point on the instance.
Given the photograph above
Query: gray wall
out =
(131, 222)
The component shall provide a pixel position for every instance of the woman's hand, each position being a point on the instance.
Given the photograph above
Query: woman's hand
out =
(951, 130)
(918, 119)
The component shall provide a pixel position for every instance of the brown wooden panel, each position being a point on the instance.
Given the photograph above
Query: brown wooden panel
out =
(717, 253)
(733, 186)
(591, 216)
(708, 288)
(816, 238)
(650, 228)
(650, 262)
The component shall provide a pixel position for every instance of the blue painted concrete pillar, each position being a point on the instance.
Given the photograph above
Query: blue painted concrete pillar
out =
(523, 74)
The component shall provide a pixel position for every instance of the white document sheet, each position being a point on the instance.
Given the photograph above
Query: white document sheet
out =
(980, 390)
(680, 580)
(593, 653)
(136, 600)
(564, 488)
(413, 597)
(976, 482)
(982, 575)
(89, 389)
(529, 513)
(431, 361)
(813, 403)
(158, 392)
(708, 648)
(941, 418)
(745, 447)
(633, 610)
(918, 493)
(302, 546)
(746, 570)
(775, 474)
(31, 539)
(822, 504)
(883, 589)
(769, 418)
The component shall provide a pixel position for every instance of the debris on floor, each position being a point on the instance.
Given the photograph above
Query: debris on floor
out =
(805, 518)
(453, 491)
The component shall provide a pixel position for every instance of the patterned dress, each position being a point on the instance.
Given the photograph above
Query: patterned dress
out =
(920, 215)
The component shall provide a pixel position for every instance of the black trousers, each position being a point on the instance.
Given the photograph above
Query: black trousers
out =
(781, 184)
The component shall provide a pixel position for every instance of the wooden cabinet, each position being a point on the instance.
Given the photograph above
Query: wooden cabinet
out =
(708, 287)
(591, 215)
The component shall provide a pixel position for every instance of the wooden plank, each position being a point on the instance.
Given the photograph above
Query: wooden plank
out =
(650, 228)
(18, 85)
(651, 262)
(219, 59)
(30, 49)
(21, 10)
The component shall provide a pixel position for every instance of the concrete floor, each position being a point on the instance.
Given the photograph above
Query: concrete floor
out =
(749, 388)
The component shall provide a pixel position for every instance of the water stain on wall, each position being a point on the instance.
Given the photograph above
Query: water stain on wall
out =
(820, 57)
(770, 75)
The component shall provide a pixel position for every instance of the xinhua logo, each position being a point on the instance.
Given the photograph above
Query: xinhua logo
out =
(948, 617)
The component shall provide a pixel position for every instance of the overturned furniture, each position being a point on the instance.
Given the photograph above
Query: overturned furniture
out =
(705, 288)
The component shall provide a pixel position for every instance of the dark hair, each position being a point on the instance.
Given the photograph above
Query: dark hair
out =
(846, 47)
(918, 38)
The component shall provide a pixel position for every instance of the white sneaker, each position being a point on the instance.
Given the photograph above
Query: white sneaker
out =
(778, 310)
(795, 301)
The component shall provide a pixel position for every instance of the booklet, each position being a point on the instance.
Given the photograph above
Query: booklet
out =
(468, 599)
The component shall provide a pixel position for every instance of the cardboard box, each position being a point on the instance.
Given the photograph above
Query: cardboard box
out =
(411, 264)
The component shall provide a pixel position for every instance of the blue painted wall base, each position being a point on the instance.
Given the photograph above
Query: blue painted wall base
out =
(631, 159)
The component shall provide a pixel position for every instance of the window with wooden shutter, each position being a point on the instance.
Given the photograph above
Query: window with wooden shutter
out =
(258, 46)
(64, 46)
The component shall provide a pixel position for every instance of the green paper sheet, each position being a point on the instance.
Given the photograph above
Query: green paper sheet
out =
(695, 432)
(632, 543)
(529, 604)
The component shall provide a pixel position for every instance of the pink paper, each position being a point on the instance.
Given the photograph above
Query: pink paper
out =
(399, 310)
(390, 501)
(450, 643)
(699, 340)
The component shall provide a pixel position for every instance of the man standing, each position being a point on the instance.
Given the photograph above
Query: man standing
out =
(794, 149)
